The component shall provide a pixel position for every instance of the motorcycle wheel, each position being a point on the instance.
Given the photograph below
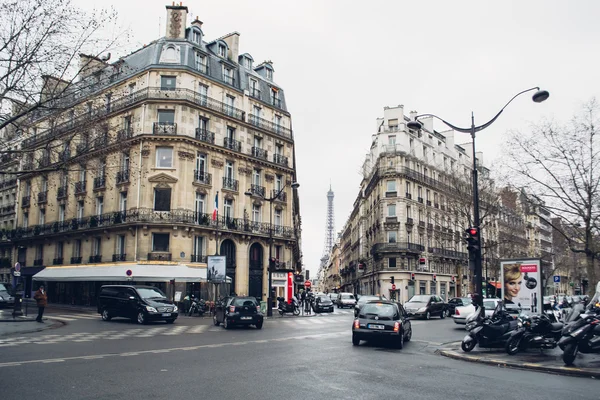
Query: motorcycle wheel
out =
(281, 312)
(296, 311)
(570, 353)
(512, 346)
(467, 347)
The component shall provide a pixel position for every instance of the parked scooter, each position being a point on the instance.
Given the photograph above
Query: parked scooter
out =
(284, 308)
(198, 305)
(537, 331)
(489, 332)
(582, 331)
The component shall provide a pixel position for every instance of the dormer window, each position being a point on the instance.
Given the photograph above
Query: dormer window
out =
(269, 74)
(247, 63)
(222, 51)
(196, 37)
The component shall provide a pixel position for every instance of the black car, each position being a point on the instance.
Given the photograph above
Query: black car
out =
(7, 296)
(232, 311)
(363, 299)
(382, 320)
(426, 306)
(322, 303)
(139, 303)
(457, 302)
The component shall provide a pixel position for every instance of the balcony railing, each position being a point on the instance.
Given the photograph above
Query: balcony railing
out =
(198, 258)
(122, 176)
(96, 259)
(61, 192)
(80, 187)
(282, 196)
(232, 144)
(420, 200)
(255, 93)
(408, 195)
(257, 190)
(38, 262)
(76, 260)
(409, 221)
(159, 256)
(428, 203)
(269, 126)
(119, 257)
(57, 261)
(259, 153)
(8, 208)
(230, 184)
(9, 183)
(202, 177)
(421, 224)
(280, 159)
(429, 226)
(397, 247)
(42, 197)
(99, 182)
(124, 134)
(25, 201)
(164, 128)
(44, 161)
(205, 136)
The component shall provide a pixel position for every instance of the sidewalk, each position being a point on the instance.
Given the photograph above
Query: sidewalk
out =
(586, 365)
(21, 325)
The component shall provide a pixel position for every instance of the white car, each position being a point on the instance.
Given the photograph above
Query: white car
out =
(461, 313)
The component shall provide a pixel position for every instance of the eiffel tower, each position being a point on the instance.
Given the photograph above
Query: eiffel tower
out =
(329, 229)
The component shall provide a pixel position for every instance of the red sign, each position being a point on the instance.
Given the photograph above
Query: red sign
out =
(393, 286)
(290, 287)
(307, 284)
(129, 272)
(529, 268)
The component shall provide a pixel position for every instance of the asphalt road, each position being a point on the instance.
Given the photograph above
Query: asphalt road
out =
(290, 358)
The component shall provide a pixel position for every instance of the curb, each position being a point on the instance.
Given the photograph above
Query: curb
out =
(54, 325)
(569, 371)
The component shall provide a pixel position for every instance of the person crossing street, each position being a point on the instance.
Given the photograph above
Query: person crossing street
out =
(41, 299)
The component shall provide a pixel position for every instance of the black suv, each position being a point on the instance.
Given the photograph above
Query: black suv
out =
(139, 303)
(233, 311)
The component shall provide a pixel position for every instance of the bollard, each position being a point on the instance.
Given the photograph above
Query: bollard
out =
(17, 311)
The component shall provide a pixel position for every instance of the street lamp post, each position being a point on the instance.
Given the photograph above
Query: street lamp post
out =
(538, 97)
(294, 185)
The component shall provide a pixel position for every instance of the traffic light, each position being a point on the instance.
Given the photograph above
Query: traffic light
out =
(412, 276)
(453, 278)
(434, 277)
(472, 238)
(392, 279)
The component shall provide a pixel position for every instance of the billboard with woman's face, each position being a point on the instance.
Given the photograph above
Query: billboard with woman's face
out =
(522, 284)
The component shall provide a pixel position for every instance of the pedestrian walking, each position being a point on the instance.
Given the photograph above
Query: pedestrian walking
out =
(41, 299)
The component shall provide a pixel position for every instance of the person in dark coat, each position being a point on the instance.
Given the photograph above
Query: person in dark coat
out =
(41, 299)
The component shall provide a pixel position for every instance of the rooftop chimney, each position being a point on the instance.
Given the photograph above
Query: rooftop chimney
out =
(176, 20)
(233, 41)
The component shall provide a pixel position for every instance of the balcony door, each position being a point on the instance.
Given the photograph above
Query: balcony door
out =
(228, 250)
(255, 278)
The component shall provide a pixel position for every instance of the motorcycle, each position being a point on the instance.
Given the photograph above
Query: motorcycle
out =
(489, 332)
(537, 331)
(581, 334)
(284, 308)
(198, 305)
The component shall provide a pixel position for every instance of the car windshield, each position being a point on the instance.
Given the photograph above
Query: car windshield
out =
(364, 299)
(347, 296)
(419, 299)
(323, 297)
(151, 293)
(379, 309)
(244, 302)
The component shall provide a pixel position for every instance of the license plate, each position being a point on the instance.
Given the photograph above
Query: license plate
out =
(372, 326)
(246, 318)
(167, 314)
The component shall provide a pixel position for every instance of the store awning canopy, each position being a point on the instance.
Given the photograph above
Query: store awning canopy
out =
(116, 273)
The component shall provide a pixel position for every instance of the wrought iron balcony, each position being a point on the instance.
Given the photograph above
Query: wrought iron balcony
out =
(397, 247)
(76, 260)
(119, 257)
(38, 262)
(409, 221)
(28, 166)
(420, 200)
(202, 177)
(232, 144)
(124, 134)
(255, 93)
(25, 201)
(230, 80)
(269, 126)
(99, 182)
(408, 195)
(280, 159)
(42, 197)
(8, 208)
(259, 153)
(230, 184)
(8, 183)
(198, 258)
(57, 261)
(205, 136)
(421, 224)
(429, 226)
(44, 161)
(282, 196)
(101, 142)
(164, 128)
(257, 190)
(159, 256)
(96, 259)
(429, 203)
(436, 205)
(122, 176)
(80, 187)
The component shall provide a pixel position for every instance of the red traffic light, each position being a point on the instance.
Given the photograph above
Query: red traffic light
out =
(472, 231)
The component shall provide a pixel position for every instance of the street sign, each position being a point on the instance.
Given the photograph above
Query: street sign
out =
(307, 284)
(129, 272)
(17, 267)
(17, 273)
(393, 287)
(556, 279)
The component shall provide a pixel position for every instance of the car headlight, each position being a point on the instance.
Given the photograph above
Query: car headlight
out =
(422, 309)
(519, 324)
(175, 309)
(151, 309)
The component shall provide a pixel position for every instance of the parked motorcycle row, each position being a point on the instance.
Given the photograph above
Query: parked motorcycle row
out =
(579, 333)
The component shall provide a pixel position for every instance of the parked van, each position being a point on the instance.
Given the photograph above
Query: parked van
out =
(139, 303)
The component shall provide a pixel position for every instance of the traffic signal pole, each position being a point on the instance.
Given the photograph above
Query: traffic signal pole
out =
(477, 273)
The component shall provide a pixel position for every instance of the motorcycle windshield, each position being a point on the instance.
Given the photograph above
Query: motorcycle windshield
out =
(475, 315)
(498, 309)
(596, 298)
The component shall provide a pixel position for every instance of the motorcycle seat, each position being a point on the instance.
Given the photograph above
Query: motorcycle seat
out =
(556, 326)
(498, 329)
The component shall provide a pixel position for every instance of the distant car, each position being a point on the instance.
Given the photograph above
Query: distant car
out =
(426, 306)
(345, 300)
(333, 297)
(139, 303)
(461, 313)
(322, 303)
(363, 300)
(238, 310)
(382, 320)
(457, 302)
(7, 298)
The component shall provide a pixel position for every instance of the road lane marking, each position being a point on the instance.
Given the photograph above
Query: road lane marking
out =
(61, 318)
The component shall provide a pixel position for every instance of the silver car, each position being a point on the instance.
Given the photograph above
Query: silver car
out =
(345, 300)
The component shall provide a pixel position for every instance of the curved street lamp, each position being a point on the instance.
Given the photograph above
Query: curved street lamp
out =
(294, 185)
(538, 97)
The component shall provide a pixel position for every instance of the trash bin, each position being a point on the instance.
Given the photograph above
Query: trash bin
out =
(263, 307)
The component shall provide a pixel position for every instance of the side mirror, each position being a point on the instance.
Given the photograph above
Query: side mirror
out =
(131, 297)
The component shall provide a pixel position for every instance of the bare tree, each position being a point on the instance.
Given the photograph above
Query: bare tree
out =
(560, 164)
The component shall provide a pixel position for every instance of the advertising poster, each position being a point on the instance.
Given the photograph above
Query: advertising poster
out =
(216, 269)
(521, 284)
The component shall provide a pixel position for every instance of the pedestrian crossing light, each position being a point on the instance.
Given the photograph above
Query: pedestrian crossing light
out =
(412, 276)
(434, 277)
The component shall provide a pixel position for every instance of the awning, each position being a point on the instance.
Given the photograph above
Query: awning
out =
(495, 284)
(112, 273)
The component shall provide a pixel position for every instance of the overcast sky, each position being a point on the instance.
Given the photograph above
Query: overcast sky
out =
(340, 62)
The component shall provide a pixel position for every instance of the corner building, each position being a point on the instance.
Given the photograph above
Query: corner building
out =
(132, 167)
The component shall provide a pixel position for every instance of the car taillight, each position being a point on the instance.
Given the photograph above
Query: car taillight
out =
(257, 308)
(396, 326)
(356, 324)
(231, 309)
(457, 312)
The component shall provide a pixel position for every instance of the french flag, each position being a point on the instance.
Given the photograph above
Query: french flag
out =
(216, 210)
